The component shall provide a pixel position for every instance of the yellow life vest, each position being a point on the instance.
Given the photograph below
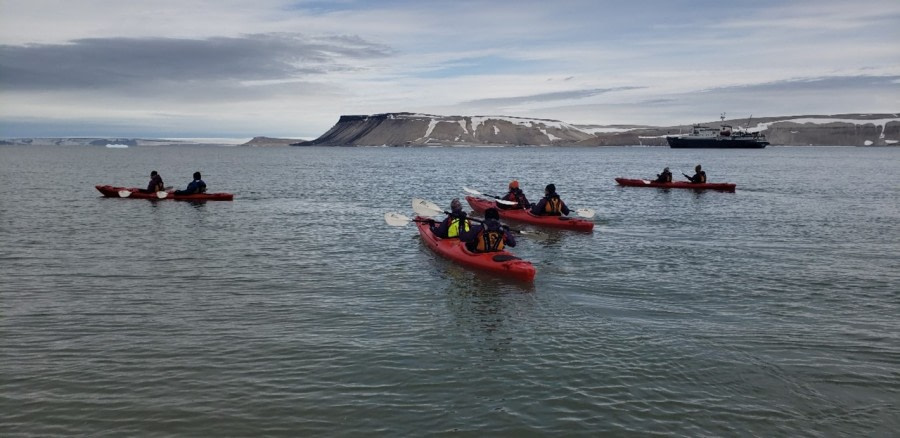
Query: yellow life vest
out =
(553, 206)
(453, 229)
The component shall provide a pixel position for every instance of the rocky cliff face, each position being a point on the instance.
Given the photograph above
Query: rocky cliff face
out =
(408, 129)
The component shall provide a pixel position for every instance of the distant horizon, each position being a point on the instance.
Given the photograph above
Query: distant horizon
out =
(245, 138)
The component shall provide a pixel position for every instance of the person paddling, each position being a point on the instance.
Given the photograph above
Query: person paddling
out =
(515, 194)
(550, 204)
(454, 224)
(490, 236)
(195, 186)
(699, 176)
(664, 177)
(156, 183)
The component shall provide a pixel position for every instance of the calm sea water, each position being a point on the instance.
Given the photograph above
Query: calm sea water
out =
(296, 311)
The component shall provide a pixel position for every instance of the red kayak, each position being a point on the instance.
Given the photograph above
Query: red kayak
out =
(727, 187)
(113, 192)
(525, 216)
(500, 263)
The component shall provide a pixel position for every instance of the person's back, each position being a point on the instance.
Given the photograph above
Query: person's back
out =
(664, 177)
(699, 175)
(194, 187)
(550, 204)
(516, 195)
(490, 236)
(454, 224)
(156, 183)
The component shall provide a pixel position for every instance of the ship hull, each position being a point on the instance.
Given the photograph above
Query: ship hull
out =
(713, 143)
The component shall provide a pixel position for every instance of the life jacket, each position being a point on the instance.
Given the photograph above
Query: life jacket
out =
(453, 229)
(489, 241)
(701, 176)
(515, 196)
(553, 206)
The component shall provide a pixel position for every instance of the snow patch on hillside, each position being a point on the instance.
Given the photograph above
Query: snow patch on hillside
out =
(822, 121)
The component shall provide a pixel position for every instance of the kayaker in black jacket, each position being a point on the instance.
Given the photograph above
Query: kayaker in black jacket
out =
(455, 223)
(664, 177)
(195, 186)
(550, 204)
(490, 236)
(156, 183)
(699, 176)
(515, 194)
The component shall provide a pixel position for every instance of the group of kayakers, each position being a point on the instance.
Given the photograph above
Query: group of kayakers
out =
(156, 185)
(489, 235)
(699, 176)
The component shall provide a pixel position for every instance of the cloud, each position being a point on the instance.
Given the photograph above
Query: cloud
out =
(545, 97)
(129, 64)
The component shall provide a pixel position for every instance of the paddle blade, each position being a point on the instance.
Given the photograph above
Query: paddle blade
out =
(425, 208)
(124, 193)
(162, 195)
(645, 181)
(396, 219)
(472, 192)
(505, 202)
(585, 212)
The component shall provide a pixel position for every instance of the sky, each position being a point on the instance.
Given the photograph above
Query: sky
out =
(281, 68)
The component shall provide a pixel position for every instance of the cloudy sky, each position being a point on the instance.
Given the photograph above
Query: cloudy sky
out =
(281, 68)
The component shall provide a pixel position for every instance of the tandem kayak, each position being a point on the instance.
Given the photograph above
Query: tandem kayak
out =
(727, 187)
(113, 192)
(500, 263)
(525, 216)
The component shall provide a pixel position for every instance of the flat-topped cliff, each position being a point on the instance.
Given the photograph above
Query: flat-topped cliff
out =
(409, 129)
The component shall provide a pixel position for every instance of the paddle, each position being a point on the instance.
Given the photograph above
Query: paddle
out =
(427, 208)
(127, 193)
(497, 198)
(399, 220)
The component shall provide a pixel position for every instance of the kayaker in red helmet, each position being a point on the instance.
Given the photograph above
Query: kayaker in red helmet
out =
(515, 194)
(490, 236)
(699, 176)
(454, 224)
(664, 177)
(156, 183)
(550, 204)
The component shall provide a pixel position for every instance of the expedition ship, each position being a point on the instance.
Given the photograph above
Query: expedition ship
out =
(725, 137)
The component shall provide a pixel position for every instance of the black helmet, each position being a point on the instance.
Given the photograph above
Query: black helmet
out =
(551, 188)
(492, 213)
(196, 175)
